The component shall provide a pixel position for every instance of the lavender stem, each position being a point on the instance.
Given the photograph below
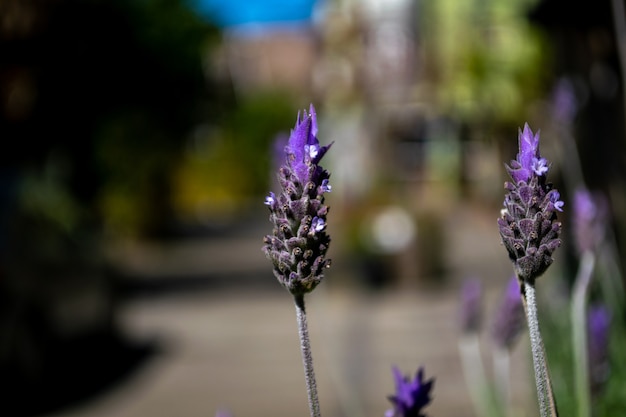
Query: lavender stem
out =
(307, 358)
(502, 375)
(578, 316)
(547, 405)
(473, 371)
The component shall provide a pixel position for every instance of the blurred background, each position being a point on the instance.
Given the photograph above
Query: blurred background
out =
(138, 146)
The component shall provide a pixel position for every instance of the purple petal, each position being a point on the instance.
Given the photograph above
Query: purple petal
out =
(270, 199)
(411, 395)
(317, 224)
(528, 147)
(554, 199)
(539, 166)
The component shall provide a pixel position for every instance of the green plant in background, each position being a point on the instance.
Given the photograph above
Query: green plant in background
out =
(163, 93)
(492, 75)
(225, 166)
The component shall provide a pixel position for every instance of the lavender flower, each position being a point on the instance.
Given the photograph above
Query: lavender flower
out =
(411, 396)
(471, 312)
(509, 321)
(564, 102)
(598, 325)
(528, 223)
(589, 219)
(299, 242)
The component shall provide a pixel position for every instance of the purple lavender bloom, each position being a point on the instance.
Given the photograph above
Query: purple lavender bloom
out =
(471, 305)
(589, 219)
(528, 160)
(298, 245)
(528, 223)
(598, 326)
(509, 320)
(304, 150)
(564, 102)
(411, 395)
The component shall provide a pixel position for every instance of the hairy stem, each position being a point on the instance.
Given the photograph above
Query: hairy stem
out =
(307, 358)
(547, 405)
(578, 314)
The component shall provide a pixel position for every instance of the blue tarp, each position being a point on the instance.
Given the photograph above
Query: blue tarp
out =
(232, 13)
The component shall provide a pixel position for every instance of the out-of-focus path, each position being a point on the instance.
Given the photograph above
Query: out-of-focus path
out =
(236, 346)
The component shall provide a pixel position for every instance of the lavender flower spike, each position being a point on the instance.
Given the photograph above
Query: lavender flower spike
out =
(528, 224)
(530, 233)
(411, 396)
(598, 323)
(509, 321)
(298, 245)
(590, 220)
(471, 305)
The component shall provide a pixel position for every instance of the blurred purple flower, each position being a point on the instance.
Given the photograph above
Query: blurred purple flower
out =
(590, 216)
(223, 413)
(509, 319)
(411, 395)
(471, 305)
(298, 245)
(598, 326)
(528, 223)
(564, 102)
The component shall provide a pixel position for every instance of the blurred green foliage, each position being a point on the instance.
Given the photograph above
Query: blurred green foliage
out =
(226, 166)
(556, 329)
(486, 59)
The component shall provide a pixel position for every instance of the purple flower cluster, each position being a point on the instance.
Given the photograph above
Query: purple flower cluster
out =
(298, 245)
(471, 305)
(589, 220)
(528, 223)
(564, 102)
(509, 320)
(598, 329)
(411, 395)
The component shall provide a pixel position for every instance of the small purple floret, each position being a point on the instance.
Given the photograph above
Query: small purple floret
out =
(411, 395)
(317, 224)
(270, 199)
(325, 187)
(554, 199)
(540, 166)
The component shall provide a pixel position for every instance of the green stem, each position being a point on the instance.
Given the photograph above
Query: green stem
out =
(547, 405)
(307, 358)
(619, 23)
(578, 314)
(502, 376)
(474, 373)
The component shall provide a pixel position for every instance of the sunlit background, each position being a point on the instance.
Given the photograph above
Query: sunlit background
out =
(138, 144)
